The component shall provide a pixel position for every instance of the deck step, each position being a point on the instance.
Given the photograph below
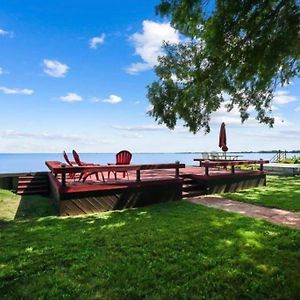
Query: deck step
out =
(191, 194)
(33, 192)
(33, 187)
(190, 185)
(32, 176)
(191, 188)
(33, 183)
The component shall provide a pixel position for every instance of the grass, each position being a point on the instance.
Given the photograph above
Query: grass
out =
(13, 206)
(168, 251)
(281, 192)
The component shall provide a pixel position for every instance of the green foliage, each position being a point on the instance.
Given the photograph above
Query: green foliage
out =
(167, 251)
(244, 49)
(281, 192)
(293, 160)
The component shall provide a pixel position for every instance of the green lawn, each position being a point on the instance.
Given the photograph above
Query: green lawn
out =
(168, 251)
(16, 207)
(281, 192)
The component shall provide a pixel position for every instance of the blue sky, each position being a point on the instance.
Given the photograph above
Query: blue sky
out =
(73, 75)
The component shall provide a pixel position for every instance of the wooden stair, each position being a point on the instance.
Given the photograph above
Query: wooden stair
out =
(33, 184)
(191, 188)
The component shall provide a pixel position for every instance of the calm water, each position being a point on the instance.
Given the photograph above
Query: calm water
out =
(10, 163)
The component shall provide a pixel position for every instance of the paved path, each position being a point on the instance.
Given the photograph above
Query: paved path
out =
(273, 215)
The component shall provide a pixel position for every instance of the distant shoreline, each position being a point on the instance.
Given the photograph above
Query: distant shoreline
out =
(35, 162)
(184, 152)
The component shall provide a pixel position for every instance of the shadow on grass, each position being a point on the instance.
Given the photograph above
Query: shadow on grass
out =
(166, 251)
(15, 207)
(35, 207)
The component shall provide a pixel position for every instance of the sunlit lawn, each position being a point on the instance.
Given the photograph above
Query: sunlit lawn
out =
(167, 251)
(281, 192)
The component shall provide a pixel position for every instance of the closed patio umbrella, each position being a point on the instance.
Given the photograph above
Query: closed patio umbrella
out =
(222, 139)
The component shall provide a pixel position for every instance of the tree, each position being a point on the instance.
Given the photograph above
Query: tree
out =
(239, 48)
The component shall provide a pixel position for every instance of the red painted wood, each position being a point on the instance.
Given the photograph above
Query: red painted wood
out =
(58, 167)
(123, 157)
(224, 163)
(83, 174)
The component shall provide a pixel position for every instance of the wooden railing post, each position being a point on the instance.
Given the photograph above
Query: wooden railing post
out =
(261, 167)
(206, 170)
(177, 169)
(63, 179)
(138, 175)
(63, 176)
(232, 169)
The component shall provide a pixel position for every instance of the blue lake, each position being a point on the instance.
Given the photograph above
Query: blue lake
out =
(10, 163)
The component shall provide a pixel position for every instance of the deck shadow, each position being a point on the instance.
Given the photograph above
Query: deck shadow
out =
(35, 206)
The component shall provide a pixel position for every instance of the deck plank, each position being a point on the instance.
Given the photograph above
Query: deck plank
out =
(84, 206)
(68, 208)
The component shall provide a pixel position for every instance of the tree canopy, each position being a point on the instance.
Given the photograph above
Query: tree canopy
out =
(231, 52)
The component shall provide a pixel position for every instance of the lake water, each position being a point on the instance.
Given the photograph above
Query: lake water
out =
(30, 162)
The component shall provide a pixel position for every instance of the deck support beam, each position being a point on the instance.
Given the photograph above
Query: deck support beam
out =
(177, 172)
(232, 169)
(63, 179)
(138, 175)
(261, 167)
(206, 170)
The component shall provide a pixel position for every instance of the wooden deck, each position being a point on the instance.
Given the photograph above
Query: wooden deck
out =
(154, 185)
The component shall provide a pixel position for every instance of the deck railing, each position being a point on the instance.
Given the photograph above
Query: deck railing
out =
(57, 167)
(232, 163)
(280, 155)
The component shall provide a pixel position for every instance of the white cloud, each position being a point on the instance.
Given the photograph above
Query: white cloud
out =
(71, 97)
(136, 68)
(113, 99)
(275, 108)
(131, 135)
(148, 44)
(283, 97)
(233, 118)
(97, 40)
(11, 91)
(43, 135)
(149, 108)
(3, 32)
(1, 71)
(6, 33)
(55, 68)
(140, 127)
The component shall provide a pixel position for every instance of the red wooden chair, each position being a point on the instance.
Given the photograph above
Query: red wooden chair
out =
(71, 164)
(122, 158)
(81, 163)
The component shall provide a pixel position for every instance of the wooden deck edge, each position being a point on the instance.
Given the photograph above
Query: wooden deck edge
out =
(232, 184)
(108, 200)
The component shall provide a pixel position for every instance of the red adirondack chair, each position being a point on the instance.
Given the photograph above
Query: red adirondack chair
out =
(122, 158)
(71, 164)
(81, 163)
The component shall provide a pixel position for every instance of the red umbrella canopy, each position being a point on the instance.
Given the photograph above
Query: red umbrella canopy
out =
(222, 138)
